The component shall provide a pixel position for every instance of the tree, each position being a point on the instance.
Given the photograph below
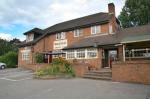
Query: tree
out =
(6, 46)
(135, 13)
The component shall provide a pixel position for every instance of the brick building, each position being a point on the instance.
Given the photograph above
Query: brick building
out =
(96, 40)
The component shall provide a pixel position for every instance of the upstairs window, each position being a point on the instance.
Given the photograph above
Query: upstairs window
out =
(110, 29)
(29, 37)
(60, 36)
(78, 32)
(95, 29)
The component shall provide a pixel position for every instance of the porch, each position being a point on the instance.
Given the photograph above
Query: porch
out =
(135, 64)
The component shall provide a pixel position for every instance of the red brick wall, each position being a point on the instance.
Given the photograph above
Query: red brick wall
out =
(132, 71)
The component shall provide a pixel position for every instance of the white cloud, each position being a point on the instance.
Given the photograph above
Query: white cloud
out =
(48, 12)
(6, 36)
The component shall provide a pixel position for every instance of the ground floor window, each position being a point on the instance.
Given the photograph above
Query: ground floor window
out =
(91, 53)
(25, 55)
(82, 53)
(138, 53)
(70, 54)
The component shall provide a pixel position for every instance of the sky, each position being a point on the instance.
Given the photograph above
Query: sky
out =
(19, 16)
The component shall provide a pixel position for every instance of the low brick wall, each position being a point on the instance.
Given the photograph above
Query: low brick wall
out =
(132, 71)
(80, 69)
(35, 67)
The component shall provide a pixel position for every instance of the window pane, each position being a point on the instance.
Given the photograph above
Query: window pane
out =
(80, 53)
(91, 53)
(70, 54)
(93, 30)
(97, 29)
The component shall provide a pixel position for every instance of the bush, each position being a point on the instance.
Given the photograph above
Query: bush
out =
(59, 66)
(39, 58)
(11, 59)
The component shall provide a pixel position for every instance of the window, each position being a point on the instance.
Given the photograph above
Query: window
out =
(29, 37)
(92, 53)
(80, 53)
(25, 56)
(95, 29)
(70, 54)
(138, 53)
(110, 29)
(60, 36)
(77, 32)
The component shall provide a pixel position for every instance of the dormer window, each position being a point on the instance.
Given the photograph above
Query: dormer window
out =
(78, 32)
(60, 36)
(29, 37)
(95, 29)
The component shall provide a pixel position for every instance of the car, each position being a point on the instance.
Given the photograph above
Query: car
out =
(2, 65)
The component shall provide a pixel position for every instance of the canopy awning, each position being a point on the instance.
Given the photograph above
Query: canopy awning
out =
(136, 39)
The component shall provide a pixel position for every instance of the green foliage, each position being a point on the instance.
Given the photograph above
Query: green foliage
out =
(39, 58)
(59, 66)
(11, 59)
(6, 46)
(135, 13)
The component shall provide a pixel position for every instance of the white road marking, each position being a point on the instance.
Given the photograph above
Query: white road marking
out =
(17, 75)
(21, 74)
(14, 73)
(16, 80)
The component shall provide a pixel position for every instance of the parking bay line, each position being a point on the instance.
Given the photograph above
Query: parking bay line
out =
(17, 75)
(14, 73)
(16, 80)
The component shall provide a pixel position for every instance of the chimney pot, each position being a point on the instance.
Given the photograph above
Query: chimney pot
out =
(111, 8)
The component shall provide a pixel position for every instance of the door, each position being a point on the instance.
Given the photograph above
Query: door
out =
(112, 57)
(108, 57)
(105, 59)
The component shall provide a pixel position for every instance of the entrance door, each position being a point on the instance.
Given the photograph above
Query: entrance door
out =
(108, 57)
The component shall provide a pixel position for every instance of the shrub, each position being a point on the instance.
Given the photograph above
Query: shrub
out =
(11, 59)
(58, 66)
(39, 58)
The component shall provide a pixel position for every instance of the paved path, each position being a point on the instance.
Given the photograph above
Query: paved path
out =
(18, 84)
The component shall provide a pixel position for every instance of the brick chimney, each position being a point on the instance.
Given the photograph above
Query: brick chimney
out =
(111, 8)
(112, 23)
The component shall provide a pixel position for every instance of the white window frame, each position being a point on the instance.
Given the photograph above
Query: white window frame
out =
(138, 53)
(110, 29)
(78, 32)
(95, 29)
(70, 54)
(29, 37)
(91, 51)
(25, 56)
(81, 51)
(60, 36)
